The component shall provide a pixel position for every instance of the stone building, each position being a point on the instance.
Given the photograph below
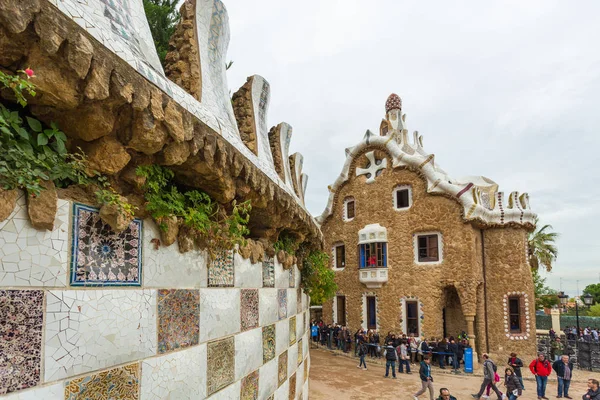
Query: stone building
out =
(416, 251)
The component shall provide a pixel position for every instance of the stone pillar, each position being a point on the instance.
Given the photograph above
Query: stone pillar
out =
(470, 318)
(555, 313)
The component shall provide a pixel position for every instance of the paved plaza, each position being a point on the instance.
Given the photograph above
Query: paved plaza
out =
(334, 376)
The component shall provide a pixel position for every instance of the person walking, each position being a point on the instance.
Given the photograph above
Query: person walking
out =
(593, 392)
(426, 379)
(362, 352)
(489, 372)
(516, 365)
(390, 360)
(512, 383)
(413, 346)
(541, 368)
(402, 351)
(314, 331)
(564, 373)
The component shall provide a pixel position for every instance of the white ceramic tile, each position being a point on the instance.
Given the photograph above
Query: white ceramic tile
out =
(282, 276)
(247, 275)
(283, 393)
(292, 359)
(31, 257)
(87, 330)
(51, 392)
(268, 311)
(219, 313)
(179, 375)
(282, 336)
(267, 379)
(166, 267)
(248, 352)
(291, 302)
(231, 392)
(305, 391)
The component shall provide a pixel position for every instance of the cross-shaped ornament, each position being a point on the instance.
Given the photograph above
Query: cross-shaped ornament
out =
(373, 169)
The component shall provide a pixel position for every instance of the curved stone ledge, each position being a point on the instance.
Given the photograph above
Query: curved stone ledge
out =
(107, 107)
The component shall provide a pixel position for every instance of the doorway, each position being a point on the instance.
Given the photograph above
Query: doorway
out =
(453, 319)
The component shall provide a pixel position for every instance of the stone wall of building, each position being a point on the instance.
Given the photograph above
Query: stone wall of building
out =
(89, 311)
(471, 285)
(428, 213)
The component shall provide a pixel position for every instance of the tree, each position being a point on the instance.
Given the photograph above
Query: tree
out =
(545, 297)
(317, 278)
(594, 311)
(594, 291)
(542, 249)
(163, 17)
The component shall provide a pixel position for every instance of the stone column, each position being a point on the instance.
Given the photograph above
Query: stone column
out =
(470, 318)
(555, 313)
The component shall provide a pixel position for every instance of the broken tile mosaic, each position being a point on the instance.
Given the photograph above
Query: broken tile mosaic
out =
(220, 365)
(268, 337)
(282, 368)
(300, 350)
(282, 303)
(21, 321)
(220, 270)
(298, 301)
(248, 309)
(292, 277)
(293, 387)
(268, 265)
(292, 330)
(100, 256)
(249, 389)
(178, 319)
(118, 383)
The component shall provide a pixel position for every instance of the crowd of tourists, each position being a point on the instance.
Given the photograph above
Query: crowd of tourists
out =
(587, 334)
(410, 350)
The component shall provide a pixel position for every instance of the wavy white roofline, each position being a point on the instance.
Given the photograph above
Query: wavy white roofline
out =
(478, 195)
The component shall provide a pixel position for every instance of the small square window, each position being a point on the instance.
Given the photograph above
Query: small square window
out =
(350, 209)
(428, 248)
(402, 198)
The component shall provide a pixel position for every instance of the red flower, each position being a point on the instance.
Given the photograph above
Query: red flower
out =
(29, 72)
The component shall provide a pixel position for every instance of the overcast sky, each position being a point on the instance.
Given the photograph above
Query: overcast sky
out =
(510, 91)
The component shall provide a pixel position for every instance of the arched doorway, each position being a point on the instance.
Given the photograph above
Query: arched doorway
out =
(453, 318)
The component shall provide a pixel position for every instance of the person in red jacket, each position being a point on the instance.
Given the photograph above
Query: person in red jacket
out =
(541, 368)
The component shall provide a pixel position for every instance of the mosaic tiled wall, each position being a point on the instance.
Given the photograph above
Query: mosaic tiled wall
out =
(176, 330)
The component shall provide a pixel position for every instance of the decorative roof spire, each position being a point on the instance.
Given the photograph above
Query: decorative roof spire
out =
(394, 102)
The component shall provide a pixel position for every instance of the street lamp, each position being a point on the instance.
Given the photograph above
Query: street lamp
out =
(563, 300)
(588, 299)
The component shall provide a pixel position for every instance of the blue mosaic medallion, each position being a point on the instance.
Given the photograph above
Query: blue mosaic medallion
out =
(101, 257)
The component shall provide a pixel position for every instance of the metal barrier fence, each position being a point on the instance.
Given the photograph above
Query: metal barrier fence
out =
(586, 355)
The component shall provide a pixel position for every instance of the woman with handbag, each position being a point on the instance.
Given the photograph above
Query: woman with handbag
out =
(512, 383)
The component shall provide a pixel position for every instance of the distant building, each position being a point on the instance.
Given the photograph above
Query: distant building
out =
(406, 245)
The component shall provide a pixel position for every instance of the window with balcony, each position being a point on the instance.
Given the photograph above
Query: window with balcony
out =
(373, 255)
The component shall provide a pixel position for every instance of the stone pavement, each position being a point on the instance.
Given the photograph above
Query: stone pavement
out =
(336, 377)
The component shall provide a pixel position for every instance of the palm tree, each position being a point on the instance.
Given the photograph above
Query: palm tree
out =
(541, 247)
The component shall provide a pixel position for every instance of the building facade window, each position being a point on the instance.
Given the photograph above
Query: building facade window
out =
(349, 209)
(428, 248)
(402, 197)
(514, 316)
(371, 312)
(517, 323)
(411, 315)
(339, 256)
(339, 309)
(373, 255)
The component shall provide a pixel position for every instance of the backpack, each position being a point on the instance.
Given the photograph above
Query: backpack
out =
(495, 367)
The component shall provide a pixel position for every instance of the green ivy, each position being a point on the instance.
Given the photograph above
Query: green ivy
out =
(317, 277)
(286, 243)
(31, 153)
(214, 225)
